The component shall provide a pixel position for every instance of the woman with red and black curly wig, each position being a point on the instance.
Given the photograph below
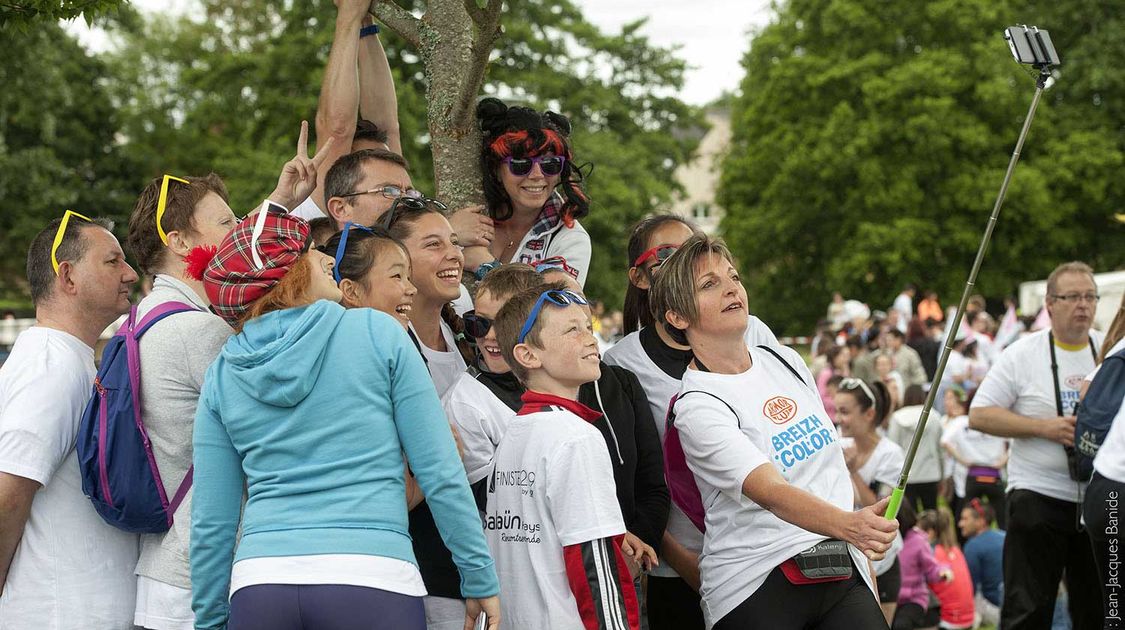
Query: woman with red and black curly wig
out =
(532, 188)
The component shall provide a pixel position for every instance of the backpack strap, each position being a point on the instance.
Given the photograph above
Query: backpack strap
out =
(156, 314)
(785, 363)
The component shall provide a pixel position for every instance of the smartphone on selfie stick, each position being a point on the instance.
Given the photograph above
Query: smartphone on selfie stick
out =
(1032, 46)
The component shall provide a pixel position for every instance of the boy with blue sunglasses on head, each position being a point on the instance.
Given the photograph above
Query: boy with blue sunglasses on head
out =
(552, 517)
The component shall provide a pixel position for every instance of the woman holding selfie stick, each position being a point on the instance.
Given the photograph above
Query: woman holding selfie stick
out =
(783, 548)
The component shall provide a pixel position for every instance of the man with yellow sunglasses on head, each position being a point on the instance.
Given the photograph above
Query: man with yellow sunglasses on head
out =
(61, 566)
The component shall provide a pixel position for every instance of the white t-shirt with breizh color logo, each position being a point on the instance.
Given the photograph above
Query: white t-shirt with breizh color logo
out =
(1022, 382)
(551, 487)
(781, 421)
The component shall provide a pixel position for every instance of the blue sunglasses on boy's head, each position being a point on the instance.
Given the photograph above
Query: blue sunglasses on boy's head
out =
(558, 298)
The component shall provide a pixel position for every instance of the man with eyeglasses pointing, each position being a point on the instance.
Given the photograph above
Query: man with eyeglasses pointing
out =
(1030, 395)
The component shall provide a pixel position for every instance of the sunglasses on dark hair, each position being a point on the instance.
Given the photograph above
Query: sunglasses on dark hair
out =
(558, 298)
(856, 383)
(556, 262)
(550, 165)
(660, 253)
(342, 246)
(402, 205)
(476, 326)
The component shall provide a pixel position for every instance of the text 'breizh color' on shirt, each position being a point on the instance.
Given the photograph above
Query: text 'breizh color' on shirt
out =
(802, 439)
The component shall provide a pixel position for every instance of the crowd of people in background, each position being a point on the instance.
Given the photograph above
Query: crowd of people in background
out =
(358, 408)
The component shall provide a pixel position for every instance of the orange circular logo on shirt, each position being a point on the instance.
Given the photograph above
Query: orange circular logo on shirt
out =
(780, 409)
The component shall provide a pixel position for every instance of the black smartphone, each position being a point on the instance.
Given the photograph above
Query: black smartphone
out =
(1031, 45)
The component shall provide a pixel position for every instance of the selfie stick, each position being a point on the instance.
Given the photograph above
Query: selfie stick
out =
(897, 494)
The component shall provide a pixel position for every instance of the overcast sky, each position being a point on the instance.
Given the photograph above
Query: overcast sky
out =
(713, 34)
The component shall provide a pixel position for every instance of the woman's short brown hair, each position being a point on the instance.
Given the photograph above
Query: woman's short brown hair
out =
(673, 289)
(292, 290)
(143, 240)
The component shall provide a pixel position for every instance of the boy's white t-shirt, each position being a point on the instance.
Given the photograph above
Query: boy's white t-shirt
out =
(481, 420)
(71, 570)
(551, 487)
(781, 421)
(659, 388)
(1021, 381)
(445, 367)
(980, 448)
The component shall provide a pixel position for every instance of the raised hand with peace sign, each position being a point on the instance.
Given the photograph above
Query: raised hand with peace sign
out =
(298, 177)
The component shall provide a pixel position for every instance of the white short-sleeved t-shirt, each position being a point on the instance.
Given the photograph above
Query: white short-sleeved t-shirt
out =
(71, 570)
(552, 486)
(445, 367)
(1021, 381)
(481, 420)
(660, 387)
(980, 448)
(884, 466)
(781, 422)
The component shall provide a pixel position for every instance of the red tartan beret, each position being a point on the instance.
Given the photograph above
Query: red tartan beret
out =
(245, 268)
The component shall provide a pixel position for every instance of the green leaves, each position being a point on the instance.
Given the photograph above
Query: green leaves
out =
(870, 141)
(21, 15)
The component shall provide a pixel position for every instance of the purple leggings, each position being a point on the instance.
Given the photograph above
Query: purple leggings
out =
(323, 607)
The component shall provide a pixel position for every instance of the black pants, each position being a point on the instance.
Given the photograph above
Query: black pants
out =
(922, 493)
(994, 492)
(781, 605)
(1102, 511)
(672, 605)
(1042, 542)
(911, 616)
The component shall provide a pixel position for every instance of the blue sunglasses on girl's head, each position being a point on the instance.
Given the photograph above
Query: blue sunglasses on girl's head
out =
(343, 245)
(558, 298)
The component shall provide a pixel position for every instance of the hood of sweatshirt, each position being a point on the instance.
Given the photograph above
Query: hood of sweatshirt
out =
(277, 357)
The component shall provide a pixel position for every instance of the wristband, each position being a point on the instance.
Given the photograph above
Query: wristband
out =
(369, 30)
(484, 268)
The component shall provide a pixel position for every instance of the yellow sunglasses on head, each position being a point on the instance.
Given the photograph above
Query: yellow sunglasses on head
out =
(59, 236)
(162, 204)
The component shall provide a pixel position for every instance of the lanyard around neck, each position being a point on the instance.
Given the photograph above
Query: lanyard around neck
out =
(1055, 369)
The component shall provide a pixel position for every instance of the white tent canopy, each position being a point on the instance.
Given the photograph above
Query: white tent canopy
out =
(1111, 285)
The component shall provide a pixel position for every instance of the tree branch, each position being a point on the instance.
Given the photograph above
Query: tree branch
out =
(397, 19)
(488, 30)
(475, 12)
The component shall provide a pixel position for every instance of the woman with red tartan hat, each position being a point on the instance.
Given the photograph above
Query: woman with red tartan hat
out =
(532, 188)
(308, 409)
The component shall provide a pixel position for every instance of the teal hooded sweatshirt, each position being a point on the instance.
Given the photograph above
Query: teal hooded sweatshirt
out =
(310, 409)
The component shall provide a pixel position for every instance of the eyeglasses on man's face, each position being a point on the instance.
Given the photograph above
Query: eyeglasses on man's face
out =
(1077, 298)
(388, 191)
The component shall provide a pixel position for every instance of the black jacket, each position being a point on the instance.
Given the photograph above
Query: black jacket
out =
(630, 434)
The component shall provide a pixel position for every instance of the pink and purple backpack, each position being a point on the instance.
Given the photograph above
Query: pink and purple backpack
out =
(119, 472)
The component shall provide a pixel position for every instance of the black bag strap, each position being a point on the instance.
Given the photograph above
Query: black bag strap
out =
(785, 363)
(1055, 368)
(672, 416)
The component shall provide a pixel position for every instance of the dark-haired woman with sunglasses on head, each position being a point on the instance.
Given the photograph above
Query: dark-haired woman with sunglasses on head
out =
(436, 264)
(532, 189)
(874, 463)
(659, 363)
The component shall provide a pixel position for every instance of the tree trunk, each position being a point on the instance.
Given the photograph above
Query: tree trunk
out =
(454, 64)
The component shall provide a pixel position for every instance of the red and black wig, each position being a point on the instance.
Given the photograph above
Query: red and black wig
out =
(522, 132)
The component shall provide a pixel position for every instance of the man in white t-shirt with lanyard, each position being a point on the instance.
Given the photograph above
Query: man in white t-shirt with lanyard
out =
(61, 567)
(1030, 396)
